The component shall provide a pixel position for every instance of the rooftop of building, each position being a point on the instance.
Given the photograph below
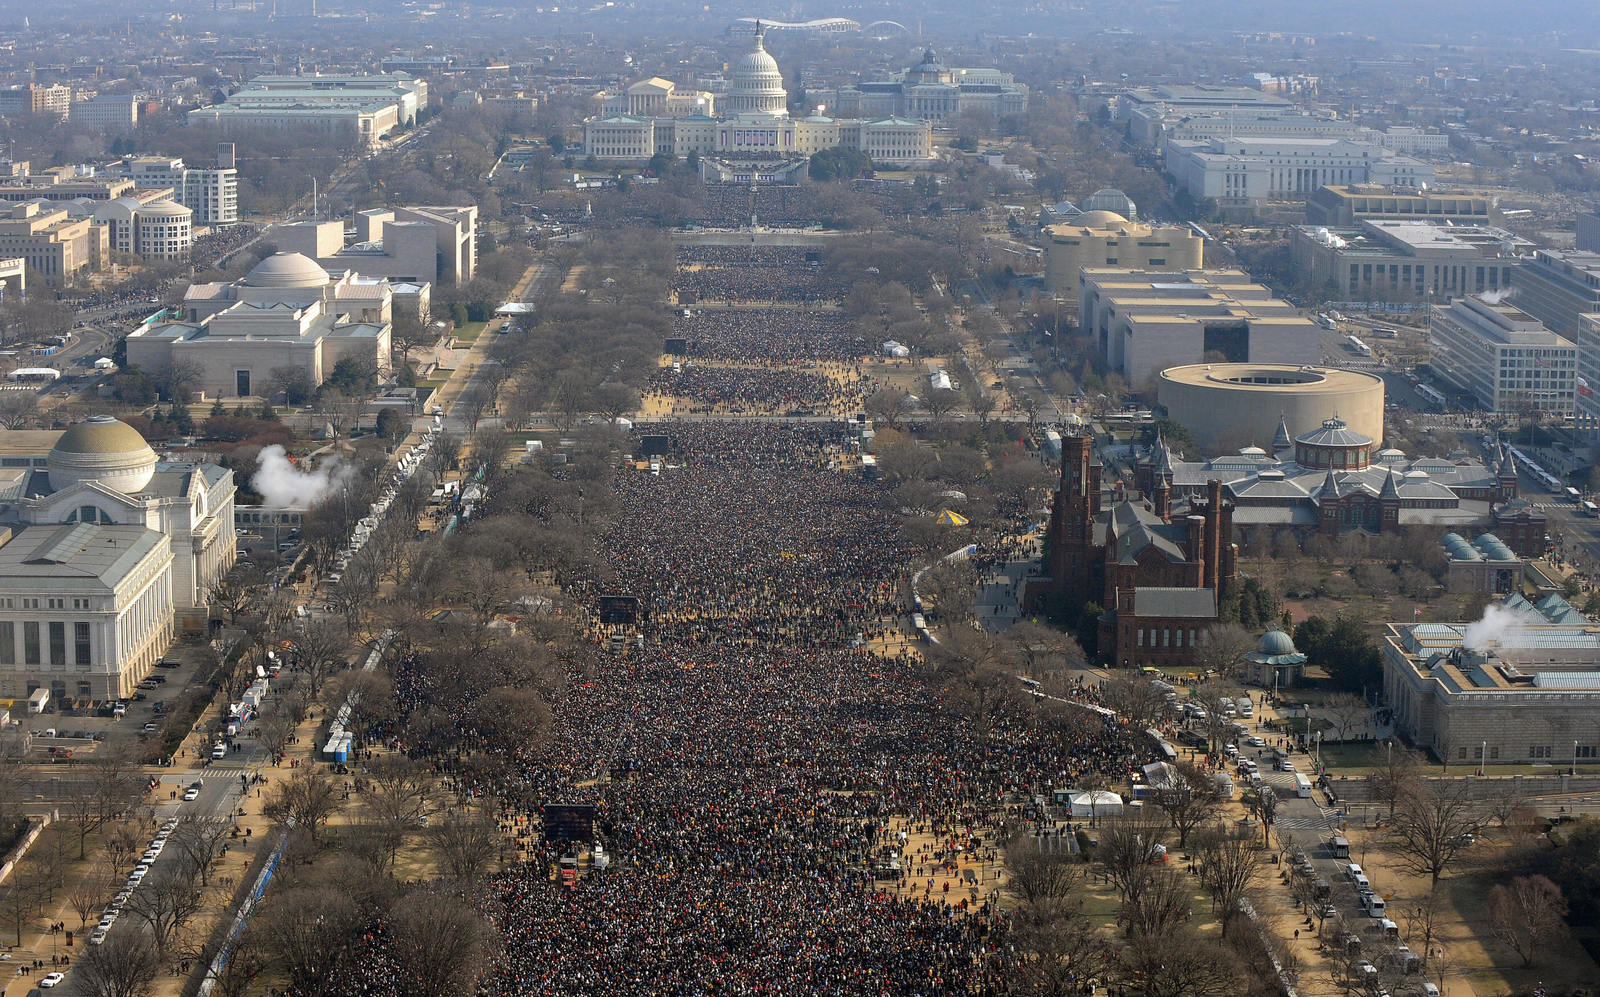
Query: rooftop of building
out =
(1270, 379)
(76, 552)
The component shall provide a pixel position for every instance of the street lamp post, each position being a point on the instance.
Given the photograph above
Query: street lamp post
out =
(1483, 758)
(1574, 757)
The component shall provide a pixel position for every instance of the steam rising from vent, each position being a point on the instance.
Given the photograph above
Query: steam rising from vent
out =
(1493, 297)
(1500, 626)
(284, 486)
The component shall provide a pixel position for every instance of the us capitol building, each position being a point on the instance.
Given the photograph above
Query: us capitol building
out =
(652, 116)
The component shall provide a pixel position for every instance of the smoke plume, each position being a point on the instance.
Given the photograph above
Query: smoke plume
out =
(1499, 626)
(1492, 297)
(284, 486)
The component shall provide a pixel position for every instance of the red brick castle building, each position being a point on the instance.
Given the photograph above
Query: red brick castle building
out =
(1157, 571)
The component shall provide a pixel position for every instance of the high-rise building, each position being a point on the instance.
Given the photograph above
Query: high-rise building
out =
(36, 99)
(212, 194)
(1506, 359)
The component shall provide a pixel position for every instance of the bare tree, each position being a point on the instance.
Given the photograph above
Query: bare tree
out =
(1222, 647)
(88, 894)
(466, 843)
(1262, 802)
(196, 839)
(1127, 851)
(1190, 798)
(306, 930)
(165, 902)
(1057, 948)
(1424, 920)
(1346, 713)
(1395, 778)
(1178, 964)
(440, 943)
(1527, 914)
(1229, 862)
(1134, 698)
(1430, 827)
(888, 406)
(1161, 901)
(123, 965)
(307, 798)
(320, 649)
(1037, 876)
(398, 797)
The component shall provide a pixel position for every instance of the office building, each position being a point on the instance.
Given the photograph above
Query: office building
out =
(56, 245)
(61, 183)
(932, 91)
(1504, 358)
(1409, 140)
(1558, 288)
(52, 100)
(104, 546)
(1146, 321)
(1146, 108)
(1405, 260)
(287, 312)
(1346, 204)
(212, 194)
(162, 230)
(111, 113)
(1588, 232)
(364, 108)
(416, 245)
(1527, 695)
(1244, 172)
(755, 122)
(1105, 239)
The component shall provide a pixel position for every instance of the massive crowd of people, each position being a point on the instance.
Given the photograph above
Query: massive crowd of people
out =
(753, 752)
(729, 390)
(771, 335)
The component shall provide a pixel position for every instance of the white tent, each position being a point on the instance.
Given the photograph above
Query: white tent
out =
(1096, 803)
(1160, 775)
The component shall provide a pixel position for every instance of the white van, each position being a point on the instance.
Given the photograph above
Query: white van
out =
(1361, 881)
(1375, 906)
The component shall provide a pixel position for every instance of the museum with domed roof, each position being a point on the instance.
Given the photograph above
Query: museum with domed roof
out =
(286, 312)
(105, 550)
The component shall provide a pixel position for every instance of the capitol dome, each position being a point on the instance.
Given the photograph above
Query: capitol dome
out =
(756, 85)
(286, 270)
(105, 450)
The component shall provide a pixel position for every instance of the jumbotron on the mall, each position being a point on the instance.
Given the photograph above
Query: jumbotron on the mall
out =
(1222, 403)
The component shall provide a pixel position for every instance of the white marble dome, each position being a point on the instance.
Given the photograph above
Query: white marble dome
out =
(103, 450)
(286, 270)
(756, 84)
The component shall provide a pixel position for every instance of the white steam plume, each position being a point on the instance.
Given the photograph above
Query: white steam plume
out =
(284, 486)
(1499, 625)
(1492, 297)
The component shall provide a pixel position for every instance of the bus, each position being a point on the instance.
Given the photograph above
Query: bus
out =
(1591, 510)
(1431, 394)
(1573, 495)
(1360, 348)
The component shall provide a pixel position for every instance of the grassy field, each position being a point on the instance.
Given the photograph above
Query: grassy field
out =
(468, 334)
